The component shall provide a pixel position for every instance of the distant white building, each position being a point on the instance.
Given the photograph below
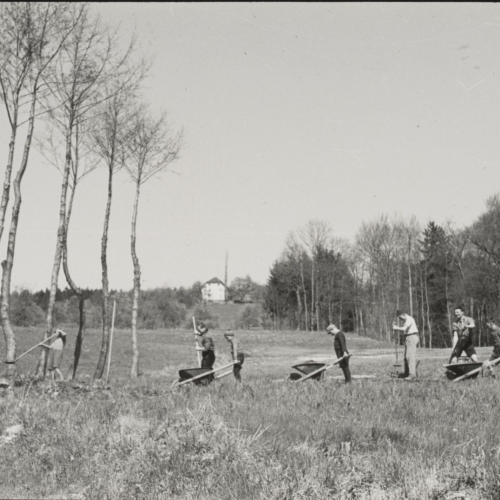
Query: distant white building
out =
(213, 290)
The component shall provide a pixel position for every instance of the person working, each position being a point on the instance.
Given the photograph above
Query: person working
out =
(207, 349)
(412, 340)
(463, 336)
(237, 356)
(340, 347)
(55, 356)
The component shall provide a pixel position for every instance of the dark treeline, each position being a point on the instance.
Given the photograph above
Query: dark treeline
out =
(392, 264)
(158, 308)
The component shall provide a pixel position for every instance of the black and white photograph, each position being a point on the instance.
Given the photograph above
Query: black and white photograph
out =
(250, 250)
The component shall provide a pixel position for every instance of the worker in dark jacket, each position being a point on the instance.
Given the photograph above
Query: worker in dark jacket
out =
(207, 347)
(339, 344)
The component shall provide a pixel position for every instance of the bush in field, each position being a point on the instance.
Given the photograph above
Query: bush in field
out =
(160, 309)
(203, 315)
(24, 310)
(250, 317)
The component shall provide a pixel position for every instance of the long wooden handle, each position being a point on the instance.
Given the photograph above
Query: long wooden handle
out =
(111, 340)
(324, 368)
(39, 344)
(477, 370)
(198, 353)
(192, 379)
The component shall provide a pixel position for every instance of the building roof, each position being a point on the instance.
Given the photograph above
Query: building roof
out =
(214, 280)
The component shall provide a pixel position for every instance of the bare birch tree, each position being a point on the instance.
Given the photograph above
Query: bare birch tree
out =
(82, 163)
(315, 234)
(115, 129)
(87, 60)
(152, 148)
(32, 35)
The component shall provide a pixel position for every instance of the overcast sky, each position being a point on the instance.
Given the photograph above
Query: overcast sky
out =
(291, 112)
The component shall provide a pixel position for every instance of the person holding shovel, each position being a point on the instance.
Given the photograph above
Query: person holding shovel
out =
(237, 356)
(207, 347)
(55, 356)
(410, 331)
(463, 337)
(340, 347)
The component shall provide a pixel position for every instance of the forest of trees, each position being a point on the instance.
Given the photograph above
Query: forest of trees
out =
(392, 264)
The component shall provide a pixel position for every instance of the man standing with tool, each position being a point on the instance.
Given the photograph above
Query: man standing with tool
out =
(340, 347)
(463, 336)
(207, 349)
(410, 331)
(237, 356)
(55, 357)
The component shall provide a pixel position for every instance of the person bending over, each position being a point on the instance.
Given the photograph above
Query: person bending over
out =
(55, 356)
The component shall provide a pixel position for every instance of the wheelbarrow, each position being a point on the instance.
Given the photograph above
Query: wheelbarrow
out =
(458, 370)
(316, 371)
(307, 368)
(471, 370)
(203, 376)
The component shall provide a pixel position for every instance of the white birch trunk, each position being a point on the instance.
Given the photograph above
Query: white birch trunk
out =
(134, 372)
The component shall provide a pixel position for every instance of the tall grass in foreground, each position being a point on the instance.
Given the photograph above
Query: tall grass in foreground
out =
(257, 440)
(264, 439)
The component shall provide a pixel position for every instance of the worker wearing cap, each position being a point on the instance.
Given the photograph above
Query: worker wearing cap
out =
(339, 344)
(412, 340)
(55, 356)
(207, 347)
(237, 356)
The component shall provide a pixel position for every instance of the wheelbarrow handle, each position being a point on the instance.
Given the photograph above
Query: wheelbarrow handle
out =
(198, 353)
(40, 344)
(477, 370)
(192, 379)
(324, 368)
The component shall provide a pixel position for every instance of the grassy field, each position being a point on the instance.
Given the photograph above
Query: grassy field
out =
(267, 438)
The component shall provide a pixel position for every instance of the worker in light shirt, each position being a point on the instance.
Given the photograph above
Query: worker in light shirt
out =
(412, 340)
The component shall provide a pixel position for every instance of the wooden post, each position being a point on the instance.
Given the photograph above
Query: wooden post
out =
(198, 353)
(111, 340)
